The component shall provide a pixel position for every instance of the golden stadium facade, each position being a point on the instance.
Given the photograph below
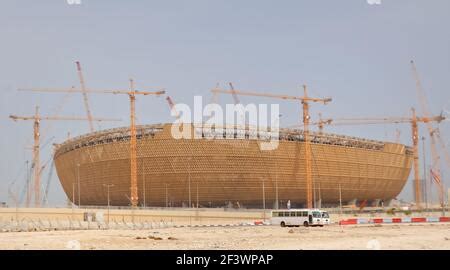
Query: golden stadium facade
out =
(217, 172)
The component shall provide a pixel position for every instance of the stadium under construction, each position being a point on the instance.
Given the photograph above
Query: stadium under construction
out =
(217, 172)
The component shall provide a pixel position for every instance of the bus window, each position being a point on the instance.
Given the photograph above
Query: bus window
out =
(287, 214)
(299, 214)
(292, 214)
(316, 214)
(280, 214)
(325, 215)
(305, 213)
(275, 214)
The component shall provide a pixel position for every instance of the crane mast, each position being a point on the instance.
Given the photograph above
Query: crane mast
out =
(235, 97)
(133, 145)
(37, 170)
(36, 158)
(434, 134)
(413, 120)
(131, 93)
(305, 100)
(309, 182)
(172, 107)
(85, 97)
(415, 140)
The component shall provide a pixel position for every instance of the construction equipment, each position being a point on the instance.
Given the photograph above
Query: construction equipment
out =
(320, 123)
(323, 122)
(235, 97)
(133, 140)
(13, 195)
(172, 107)
(413, 120)
(397, 135)
(47, 186)
(36, 146)
(237, 101)
(434, 136)
(214, 97)
(85, 97)
(26, 188)
(305, 101)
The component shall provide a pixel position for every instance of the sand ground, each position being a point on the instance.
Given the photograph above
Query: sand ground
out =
(392, 236)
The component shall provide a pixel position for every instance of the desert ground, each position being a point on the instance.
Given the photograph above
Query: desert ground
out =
(390, 236)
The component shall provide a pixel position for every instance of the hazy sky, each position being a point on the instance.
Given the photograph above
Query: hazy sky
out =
(354, 52)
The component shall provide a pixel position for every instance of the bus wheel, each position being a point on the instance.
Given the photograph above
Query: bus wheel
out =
(283, 224)
(306, 224)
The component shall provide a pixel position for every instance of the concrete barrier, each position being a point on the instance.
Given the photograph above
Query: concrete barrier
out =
(444, 219)
(432, 219)
(356, 221)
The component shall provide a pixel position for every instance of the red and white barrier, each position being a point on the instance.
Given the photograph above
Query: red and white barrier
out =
(355, 221)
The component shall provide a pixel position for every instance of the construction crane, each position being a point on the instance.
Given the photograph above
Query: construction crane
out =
(85, 97)
(26, 189)
(36, 118)
(413, 120)
(47, 185)
(11, 194)
(305, 100)
(237, 101)
(235, 97)
(397, 135)
(434, 136)
(214, 98)
(131, 93)
(322, 122)
(172, 107)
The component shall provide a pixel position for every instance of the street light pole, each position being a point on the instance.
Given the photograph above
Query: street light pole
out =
(424, 174)
(276, 188)
(73, 200)
(143, 180)
(197, 194)
(314, 195)
(264, 195)
(320, 198)
(107, 187)
(189, 179)
(167, 197)
(78, 179)
(28, 186)
(340, 199)
(73, 194)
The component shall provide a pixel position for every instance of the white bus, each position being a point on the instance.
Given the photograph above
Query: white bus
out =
(297, 217)
(324, 217)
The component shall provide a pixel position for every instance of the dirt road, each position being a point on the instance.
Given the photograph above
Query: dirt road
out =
(404, 236)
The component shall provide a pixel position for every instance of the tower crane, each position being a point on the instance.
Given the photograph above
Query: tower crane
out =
(397, 135)
(233, 92)
(214, 98)
(414, 120)
(85, 97)
(36, 118)
(47, 185)
(323, 122)
(237, 101)
(305, 100)
(434, 135)
(131, 93)
(172, 107)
